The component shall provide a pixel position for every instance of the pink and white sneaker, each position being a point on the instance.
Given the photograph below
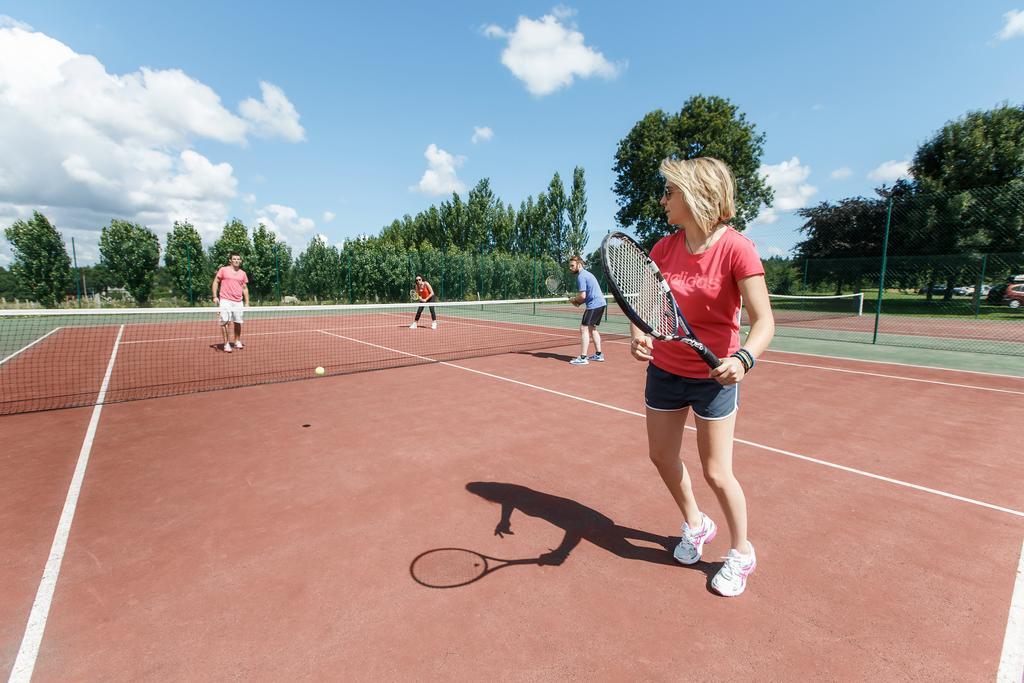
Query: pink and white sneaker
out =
(692, 543)
(731, 579)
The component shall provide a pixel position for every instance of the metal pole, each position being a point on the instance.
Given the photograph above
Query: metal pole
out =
(188, 274)
(277, 268)
(78, 274)
(806, 261)
(881, 276)
(981, 285)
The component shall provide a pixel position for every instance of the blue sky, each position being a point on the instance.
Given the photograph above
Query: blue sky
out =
(337, 120)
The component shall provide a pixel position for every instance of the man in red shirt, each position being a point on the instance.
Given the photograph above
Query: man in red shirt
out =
(234, 289)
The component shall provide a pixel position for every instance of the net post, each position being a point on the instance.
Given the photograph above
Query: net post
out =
(881, 275)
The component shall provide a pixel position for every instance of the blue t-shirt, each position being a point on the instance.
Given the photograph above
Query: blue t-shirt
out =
(586, 282)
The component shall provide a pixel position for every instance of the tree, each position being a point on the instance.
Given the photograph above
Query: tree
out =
(479, 217)
(318, 270)
(132, 252)
(970, 178)
(269, 264)
(186, 261)
(234, 238)
(557, 226)
(41, 264)
(705, 126)
(577, 235)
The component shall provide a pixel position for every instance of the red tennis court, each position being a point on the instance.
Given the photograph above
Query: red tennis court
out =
(269, 532)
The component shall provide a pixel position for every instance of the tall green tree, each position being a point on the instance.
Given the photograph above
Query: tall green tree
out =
(235, 237)
(132, 252)
(970, 178)
(318, 270)
(186, 262)
(270, 262)
(557, 227)
(41, 264)
(577, 235)
(705, 126)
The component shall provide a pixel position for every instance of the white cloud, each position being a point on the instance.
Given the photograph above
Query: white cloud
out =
(275, 115)
(11, 22)
(841, 173)
(791, 192)
(890, 171)
(329, 216)
(481, 134)
(547, 55)
(85, 146)
(440, 176)
(775, 251)
(249, 198)
(1014, 26)
(284, 221)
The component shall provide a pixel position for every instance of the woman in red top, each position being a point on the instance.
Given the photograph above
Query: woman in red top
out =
(426, 294)
(709, 267)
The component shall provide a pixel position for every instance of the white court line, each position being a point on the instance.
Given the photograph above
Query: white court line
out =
(891, 362)
(897, 377)
(1011, 664)
(817, 461)
(29, 345)
(29, 650)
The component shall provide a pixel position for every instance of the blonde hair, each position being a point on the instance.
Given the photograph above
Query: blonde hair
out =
(708, 188)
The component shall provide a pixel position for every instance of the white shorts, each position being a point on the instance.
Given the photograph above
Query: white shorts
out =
(230, 312)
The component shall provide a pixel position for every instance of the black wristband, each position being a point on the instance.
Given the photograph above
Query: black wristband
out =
(746, 358)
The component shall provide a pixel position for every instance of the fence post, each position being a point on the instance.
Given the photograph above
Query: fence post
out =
(188, 274)
(806, 262)
(881, 276)
(78, 275)
(981, 284)
(277, 269)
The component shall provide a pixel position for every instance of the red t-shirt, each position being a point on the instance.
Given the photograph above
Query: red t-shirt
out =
(231, 282)
(706, 286)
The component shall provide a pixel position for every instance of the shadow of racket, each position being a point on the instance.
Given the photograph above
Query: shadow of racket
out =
(454, 567)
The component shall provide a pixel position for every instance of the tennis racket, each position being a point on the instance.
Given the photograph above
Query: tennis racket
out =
(644, 296)
(553, 284)
(454, 567)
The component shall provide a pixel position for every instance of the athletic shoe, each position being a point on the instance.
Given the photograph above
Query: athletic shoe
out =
(239, 345)
(691, 545)
(579, 360)
(413, 326)
(731, 579)
(227, 348)
(433, 326)
(599, 357)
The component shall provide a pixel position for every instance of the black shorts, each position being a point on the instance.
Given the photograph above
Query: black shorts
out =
(592, 316)
(709, 399)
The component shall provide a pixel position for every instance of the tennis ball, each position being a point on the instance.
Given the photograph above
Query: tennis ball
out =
(320, 371)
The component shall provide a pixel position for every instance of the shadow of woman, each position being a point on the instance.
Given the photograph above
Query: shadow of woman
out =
(580, 523)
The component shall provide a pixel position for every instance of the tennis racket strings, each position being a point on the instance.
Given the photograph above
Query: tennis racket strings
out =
(641, 285)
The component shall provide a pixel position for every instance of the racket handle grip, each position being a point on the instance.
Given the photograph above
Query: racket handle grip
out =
(705, 353)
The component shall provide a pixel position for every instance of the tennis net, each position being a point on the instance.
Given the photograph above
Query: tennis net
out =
(53, 359)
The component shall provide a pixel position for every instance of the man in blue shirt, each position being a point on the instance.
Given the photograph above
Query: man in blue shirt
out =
(589, 294)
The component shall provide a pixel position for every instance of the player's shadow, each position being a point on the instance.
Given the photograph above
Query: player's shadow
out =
(547, 354)
(579, 523)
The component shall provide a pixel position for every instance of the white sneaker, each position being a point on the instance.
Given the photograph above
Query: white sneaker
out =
(413, 326)
(691, 545)
(433, 326)
(579, 360)
(239, 345)
(731, 579)
(227, 348)
(599, 357)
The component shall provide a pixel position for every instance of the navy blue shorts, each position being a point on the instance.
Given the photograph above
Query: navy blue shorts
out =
(709, 399)
(592, 316)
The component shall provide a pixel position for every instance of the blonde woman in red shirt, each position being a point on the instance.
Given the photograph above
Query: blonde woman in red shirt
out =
(710, 268)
